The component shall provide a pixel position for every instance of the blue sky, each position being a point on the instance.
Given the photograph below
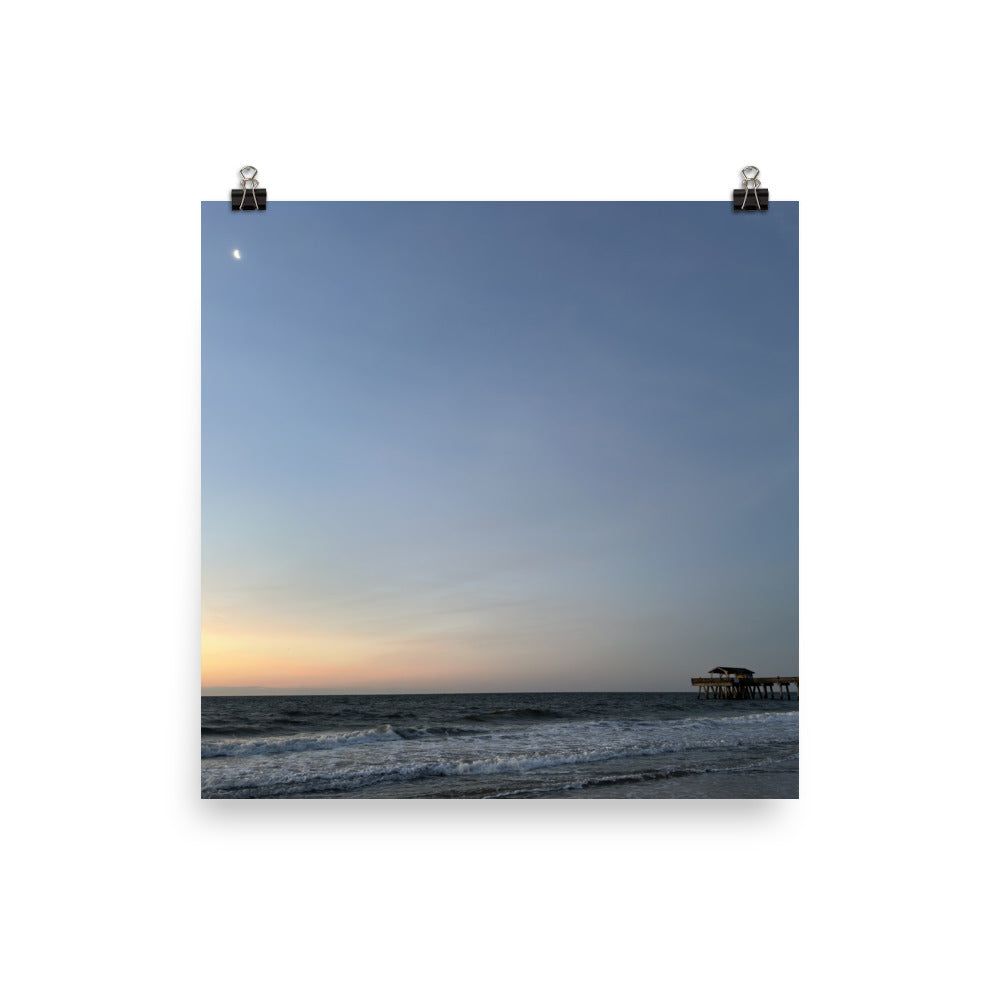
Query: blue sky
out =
(498, 446)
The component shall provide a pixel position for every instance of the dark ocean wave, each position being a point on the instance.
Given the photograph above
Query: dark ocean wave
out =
(482, 745)
(506, 714)
(336, 775)
(231, 730)
(296, 744)
(367, 776)
(322, 741)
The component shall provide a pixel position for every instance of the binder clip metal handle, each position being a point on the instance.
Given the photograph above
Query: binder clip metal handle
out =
(751, 185)
(257, 201)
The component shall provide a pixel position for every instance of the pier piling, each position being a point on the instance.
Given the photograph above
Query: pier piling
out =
(741, 684)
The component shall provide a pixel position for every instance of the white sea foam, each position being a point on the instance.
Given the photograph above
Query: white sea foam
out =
(235, 747)
(343, 762)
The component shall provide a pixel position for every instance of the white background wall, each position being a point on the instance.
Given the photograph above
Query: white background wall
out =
(118, 119)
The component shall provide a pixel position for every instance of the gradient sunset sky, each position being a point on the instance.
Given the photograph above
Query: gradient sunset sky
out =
(497, 446)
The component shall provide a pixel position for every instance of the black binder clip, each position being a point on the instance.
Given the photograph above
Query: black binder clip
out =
(742, 202)
(249, 198)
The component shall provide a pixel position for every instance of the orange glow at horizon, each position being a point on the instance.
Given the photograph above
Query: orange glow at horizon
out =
(285, 658)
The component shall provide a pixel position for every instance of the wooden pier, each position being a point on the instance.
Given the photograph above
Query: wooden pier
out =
(739, 683)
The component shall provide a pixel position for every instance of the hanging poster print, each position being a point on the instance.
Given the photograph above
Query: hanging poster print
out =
(500, 500)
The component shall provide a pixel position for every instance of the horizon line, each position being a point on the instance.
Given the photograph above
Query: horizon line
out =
(252, 692)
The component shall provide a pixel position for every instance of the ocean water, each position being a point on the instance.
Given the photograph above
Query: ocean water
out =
(498, 746)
